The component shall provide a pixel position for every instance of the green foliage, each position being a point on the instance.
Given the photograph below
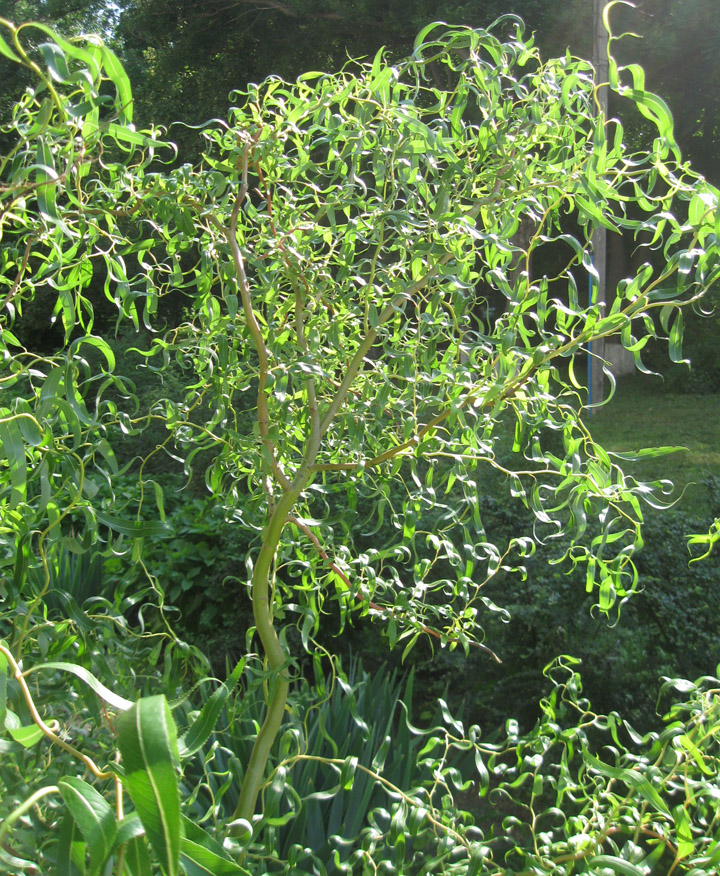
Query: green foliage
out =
(77, 578)
(677, 50)
(339, 736)
(700, 374)
(705, 542)
(337, 249)
(353, 780)
(667, 629)
(193, 572)
(375, 161)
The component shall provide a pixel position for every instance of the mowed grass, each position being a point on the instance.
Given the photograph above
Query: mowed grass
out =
(642, 415)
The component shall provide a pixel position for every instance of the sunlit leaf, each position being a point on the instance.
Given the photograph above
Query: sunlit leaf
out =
(148, 744)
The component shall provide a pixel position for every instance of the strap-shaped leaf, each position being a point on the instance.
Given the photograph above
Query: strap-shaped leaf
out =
(56, 61)
(347, 774)
(200, 861)
(7, 51)
(147, 738)
(617, 865)
(13, 449)
(134, 528)
(199, 731)
(46, 180)
(683, 827)
(3, 687)
(129, 135)
(128, 829)
(27, 735)
(119, 78)
(103, 692)
(632, 778)
(70, 860)
(72, 50)
(137, 858)
(94, 818)
(201, 854)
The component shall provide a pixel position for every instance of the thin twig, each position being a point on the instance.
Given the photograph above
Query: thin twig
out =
(18, 675)
(251, 319)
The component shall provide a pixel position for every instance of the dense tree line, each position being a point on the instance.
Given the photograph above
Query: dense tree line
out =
(185, 57)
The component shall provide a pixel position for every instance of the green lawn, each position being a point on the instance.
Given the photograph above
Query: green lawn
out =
(642, 415)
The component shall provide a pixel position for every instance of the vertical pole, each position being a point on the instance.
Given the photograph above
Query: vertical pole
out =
(599, 237)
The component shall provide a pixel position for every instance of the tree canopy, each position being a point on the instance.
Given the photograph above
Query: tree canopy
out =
(361, 331)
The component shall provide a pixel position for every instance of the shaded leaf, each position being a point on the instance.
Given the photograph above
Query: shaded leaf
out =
(94, 818)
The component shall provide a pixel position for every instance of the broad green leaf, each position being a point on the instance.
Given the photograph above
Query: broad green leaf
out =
(30, 430)
(55, 60)
(128, 134)
(27, 735)
(46, 180)
(99, 344)
(121, 81)
(3, 688)
(686, 844)
(421, 38)
(347, 773)
(676, 338)
(201, 854)
(655, 109)
(128, 829)
(13, 724)
(94, 818)
(646, 453)
(147, 739)
(696, 754)
(195, 834)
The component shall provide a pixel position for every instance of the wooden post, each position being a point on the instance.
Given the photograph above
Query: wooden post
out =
(596, 389)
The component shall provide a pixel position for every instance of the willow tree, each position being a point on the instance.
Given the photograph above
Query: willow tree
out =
(359, 325)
